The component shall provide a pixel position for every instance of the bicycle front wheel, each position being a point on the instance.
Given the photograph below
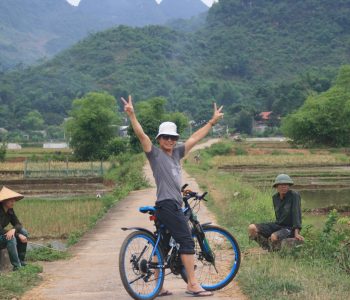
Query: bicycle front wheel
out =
(216, 275)
(141, 280)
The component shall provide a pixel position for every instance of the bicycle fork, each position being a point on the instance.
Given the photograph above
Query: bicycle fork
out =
(204, 244)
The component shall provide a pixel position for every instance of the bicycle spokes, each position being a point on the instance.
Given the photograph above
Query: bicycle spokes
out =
(223, 262)
(140, 271)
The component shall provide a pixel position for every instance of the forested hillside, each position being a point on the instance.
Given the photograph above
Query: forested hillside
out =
(182, 8)
(30, 28)
(249, 55)
(34, 29)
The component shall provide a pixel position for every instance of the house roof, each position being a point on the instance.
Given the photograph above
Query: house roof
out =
(265, 115)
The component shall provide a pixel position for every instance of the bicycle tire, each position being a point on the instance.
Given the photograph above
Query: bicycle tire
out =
(133, 267)
(227, 259)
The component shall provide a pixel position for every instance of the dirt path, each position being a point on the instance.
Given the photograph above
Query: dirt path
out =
(92, 272)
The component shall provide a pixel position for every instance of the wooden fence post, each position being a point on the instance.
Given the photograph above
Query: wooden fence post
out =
(25, 168)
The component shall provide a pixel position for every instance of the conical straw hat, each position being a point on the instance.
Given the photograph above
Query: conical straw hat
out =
(6, 194)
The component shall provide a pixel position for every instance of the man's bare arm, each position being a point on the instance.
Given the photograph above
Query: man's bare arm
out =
(202, 132)
(143, 138)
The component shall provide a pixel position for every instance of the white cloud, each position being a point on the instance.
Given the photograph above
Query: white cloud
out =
(74, 2)
(209, 2)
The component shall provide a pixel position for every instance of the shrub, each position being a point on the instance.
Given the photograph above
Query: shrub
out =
(240, 151)
(127, 170)
(222, 148)
(332, 244)
(117, 146)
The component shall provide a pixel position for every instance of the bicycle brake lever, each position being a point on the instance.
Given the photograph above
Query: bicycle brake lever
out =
(202, 197)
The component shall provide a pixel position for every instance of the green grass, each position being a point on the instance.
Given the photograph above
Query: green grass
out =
(48, 218)
(14, 284)
(316, 221)
(46, 253)
(272, 277)
(68, 218)
(317, 270)
(71, 218)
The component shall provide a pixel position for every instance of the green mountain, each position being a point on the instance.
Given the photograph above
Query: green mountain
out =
(28, 27)
(34, 29)
(107, 13)
(249, 55)
(182, 8)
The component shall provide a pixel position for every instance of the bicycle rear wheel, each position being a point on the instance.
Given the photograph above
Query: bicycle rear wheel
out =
(139, 279)
(215, 276)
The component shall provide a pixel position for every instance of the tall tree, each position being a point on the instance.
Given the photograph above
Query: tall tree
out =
(323, 119)
(92, 125)
(32, 121)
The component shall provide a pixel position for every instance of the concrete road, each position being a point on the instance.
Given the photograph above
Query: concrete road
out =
(92, 272)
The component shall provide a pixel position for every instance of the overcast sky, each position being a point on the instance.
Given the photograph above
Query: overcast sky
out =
(207, 2)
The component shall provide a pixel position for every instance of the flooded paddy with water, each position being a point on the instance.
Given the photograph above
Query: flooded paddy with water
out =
(321, 176)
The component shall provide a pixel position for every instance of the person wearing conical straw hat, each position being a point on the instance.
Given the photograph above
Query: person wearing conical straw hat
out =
(15, 239)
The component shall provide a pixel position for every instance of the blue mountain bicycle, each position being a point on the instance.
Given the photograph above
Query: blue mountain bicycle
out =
(145, 256)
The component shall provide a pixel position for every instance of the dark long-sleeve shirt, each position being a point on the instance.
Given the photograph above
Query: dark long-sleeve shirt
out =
(7, 218)
(288, 210)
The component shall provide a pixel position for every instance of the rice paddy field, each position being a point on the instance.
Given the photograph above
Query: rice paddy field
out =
(239, 178)
(69, 214)
(322, 176)
(60, 196)
(30, 152)
(51, 165)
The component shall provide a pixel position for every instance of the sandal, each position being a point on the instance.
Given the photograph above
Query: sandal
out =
(200, 293)
(165, 293)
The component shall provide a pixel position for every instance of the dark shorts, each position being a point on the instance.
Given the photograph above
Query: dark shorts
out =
(282, 232)
(170, 214)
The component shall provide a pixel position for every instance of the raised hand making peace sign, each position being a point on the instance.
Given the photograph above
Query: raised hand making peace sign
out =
(128, 107)
(217, 115)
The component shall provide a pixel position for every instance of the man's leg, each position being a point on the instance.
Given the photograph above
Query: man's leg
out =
(192, 283)
(277, 237)
(11, 246)
(22, 247)
(171, 215)
(258, 235)
(252, 231)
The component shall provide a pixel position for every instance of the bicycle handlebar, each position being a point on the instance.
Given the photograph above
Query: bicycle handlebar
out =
(188, 194)
(183, 187)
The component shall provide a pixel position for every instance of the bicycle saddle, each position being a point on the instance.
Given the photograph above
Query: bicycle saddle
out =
(147, 209)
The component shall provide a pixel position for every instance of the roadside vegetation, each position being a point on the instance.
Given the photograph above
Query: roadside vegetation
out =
(319, 269)
(68, 219)
(73, 216)
(16, 283)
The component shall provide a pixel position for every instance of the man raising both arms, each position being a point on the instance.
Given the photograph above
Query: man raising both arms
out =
(165, 164)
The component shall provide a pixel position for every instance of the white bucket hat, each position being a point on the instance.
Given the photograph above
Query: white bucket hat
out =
(6, 194)
(167, 128)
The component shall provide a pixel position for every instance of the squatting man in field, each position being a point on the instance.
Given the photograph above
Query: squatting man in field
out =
(15, 239)
(165, 164)
(286, 203)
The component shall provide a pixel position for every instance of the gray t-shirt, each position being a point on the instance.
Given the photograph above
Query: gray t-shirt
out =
(167, 172)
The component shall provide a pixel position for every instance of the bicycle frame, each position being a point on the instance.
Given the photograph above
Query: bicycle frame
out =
(197, 231)
(145, 255)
